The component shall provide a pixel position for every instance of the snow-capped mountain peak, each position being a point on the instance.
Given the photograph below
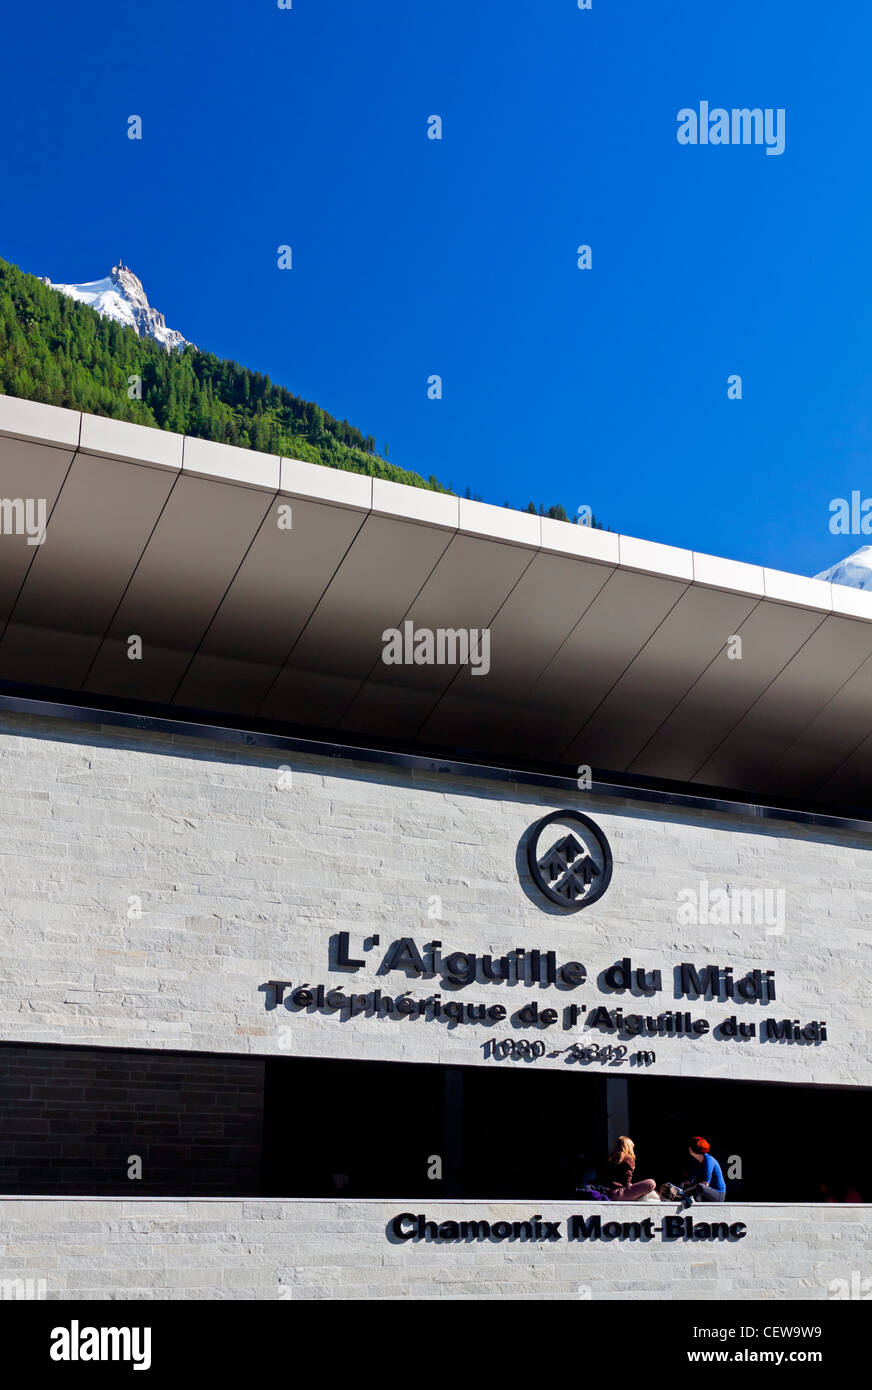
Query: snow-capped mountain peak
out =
(856, 570)
(121, 297)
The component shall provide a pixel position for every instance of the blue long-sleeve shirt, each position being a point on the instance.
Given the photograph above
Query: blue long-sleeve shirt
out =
(710, 1173)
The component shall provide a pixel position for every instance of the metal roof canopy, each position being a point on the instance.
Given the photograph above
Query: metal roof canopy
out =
(605, 651)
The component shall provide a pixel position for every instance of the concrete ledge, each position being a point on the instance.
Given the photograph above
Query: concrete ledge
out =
(225, 463)
(39, 424)
(308, 1249)
(415, 504)
(315, 483)
(476, 1202)
(129, 443)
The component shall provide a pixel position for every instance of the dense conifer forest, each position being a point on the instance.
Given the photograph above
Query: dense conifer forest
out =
(61, 352)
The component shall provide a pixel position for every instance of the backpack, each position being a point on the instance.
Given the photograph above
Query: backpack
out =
(592, 1194)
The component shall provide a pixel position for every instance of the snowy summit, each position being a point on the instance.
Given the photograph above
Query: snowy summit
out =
(121, 297)
(856, 570)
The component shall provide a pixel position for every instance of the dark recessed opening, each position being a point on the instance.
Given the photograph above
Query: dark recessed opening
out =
(73, 1121)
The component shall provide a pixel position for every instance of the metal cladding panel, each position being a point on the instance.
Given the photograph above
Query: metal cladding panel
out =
(851, 782)
(771, 636)
(33, 472)
(605, 650)
(385, 568)
(624, 616)
(677, 653)
(98, 530)
(546, 605)
(192, 555)
(833, 736)
(268, 604)
(466, 590)
(833, 652)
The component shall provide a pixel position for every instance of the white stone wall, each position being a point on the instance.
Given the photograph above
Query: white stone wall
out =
(243, 873)
(105, 1248)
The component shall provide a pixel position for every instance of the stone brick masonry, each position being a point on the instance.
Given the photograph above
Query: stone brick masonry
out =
(275, 1249)
(152, 883)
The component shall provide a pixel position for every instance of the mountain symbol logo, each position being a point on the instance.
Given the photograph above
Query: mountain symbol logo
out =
(577, 868)
(569, 868)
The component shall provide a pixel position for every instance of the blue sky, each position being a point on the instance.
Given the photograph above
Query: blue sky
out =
(605, 387)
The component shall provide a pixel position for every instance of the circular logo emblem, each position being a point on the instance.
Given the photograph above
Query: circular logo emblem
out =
(570, 859)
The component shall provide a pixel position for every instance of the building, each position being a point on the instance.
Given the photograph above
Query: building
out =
(325, 975)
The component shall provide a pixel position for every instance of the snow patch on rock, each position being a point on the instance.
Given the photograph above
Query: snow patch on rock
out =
(121, 297)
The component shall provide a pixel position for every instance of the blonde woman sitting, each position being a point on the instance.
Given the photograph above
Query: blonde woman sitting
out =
(619, 1174)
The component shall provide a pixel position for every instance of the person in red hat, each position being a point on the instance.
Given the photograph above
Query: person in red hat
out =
(706, 1182)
